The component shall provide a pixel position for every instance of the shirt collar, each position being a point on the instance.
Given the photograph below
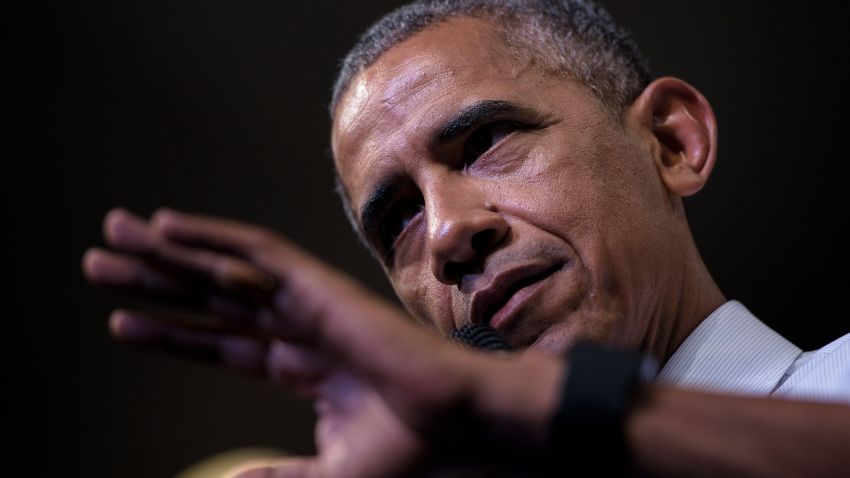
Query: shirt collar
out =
(731, 351)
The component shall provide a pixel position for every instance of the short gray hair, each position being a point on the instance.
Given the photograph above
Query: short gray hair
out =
(577, 38)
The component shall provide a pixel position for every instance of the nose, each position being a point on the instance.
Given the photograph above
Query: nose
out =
(462, 230)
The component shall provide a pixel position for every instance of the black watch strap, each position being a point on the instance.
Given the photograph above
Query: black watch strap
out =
(601, 387)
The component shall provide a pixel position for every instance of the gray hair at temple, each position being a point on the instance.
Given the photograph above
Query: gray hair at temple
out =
(575, 38)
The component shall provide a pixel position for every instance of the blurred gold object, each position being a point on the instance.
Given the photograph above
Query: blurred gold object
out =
(222, 464)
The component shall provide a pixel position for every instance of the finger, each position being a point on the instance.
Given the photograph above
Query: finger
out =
(317, 301)
(297, 367)
(300, 283)
(129, 233)
(277, 468)
(131, 274)
(269, 251)
(307, 289)
(108, 269)
(212, 232)
(163, 333)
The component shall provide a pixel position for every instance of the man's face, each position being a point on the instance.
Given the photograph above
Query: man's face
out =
(497, 193)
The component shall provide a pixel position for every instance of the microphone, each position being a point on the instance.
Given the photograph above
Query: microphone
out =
(482, 337)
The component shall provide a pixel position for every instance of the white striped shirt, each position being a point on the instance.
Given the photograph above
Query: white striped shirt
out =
(733, 352)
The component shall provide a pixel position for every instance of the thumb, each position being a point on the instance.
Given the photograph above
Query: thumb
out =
(276, 468)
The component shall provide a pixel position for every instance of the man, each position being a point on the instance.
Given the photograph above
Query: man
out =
(509, 163)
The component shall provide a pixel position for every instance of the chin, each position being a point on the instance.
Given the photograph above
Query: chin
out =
(558, 339)
(553, 343)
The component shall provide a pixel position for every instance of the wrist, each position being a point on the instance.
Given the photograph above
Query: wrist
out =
(600, 392)
(517, 395)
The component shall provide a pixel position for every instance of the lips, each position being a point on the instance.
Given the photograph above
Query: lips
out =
(515, 283)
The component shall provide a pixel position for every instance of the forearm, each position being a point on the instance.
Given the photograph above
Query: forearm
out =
(675, 432)
(682, 433)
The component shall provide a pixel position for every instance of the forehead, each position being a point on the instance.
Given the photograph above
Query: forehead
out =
(390, 110)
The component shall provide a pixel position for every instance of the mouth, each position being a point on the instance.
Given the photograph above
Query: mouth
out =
(496, 303)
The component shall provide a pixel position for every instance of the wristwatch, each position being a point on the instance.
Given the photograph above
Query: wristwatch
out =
(601, 388)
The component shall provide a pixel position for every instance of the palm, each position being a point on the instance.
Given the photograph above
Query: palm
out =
(357, 434)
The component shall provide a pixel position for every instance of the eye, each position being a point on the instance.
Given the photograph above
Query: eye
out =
(485, 138)
(396, 220)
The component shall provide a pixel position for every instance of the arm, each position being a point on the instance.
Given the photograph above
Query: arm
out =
(393, 397)
(676, 432)
(683, 433)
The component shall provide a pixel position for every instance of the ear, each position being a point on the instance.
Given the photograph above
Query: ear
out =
(682, 125)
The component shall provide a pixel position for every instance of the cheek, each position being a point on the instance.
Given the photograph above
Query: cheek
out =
(428, 300)
(599, 320)
(585, 196)
(558, 193)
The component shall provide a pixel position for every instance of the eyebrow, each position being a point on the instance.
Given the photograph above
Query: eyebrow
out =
(472, 116)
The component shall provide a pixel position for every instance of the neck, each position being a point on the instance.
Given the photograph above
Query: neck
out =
(686, 305)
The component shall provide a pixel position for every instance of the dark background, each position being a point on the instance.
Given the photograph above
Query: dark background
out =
(220, 107)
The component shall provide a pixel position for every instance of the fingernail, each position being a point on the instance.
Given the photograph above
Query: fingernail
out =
(163, 217)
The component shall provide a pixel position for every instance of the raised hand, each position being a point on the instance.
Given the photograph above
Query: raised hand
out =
(387, 390)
